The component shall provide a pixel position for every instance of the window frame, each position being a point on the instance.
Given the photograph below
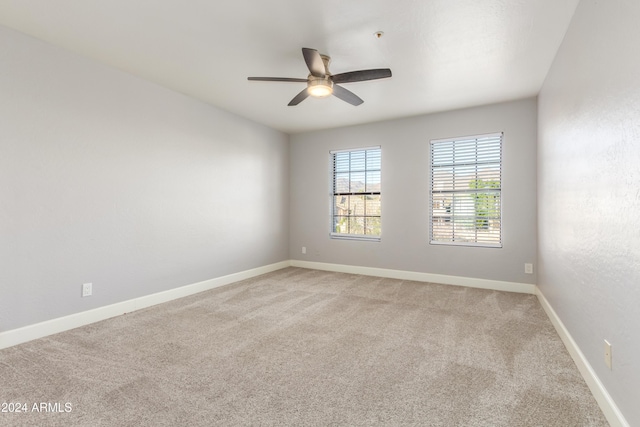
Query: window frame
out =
(485, 243)
(333, 194)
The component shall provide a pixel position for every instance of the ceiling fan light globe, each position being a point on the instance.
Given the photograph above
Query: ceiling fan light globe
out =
(320, 89)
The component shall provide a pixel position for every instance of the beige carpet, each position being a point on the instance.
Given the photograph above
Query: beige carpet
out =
(301, 347)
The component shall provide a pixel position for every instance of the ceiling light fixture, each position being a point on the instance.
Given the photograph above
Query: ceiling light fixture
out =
(320, 88)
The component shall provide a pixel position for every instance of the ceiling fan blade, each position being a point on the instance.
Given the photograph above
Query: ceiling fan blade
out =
(361, 76)
(314, 62)
(277, 79)
(299, 98)
(347, 95)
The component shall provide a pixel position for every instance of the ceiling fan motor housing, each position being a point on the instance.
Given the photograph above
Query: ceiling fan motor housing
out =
(326, 59)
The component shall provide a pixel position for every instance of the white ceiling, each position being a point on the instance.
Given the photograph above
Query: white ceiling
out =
(444, 54)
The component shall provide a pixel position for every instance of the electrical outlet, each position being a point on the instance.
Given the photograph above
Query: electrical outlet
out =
(528, 268)
(607, 354)
(304, 249)
(87, 289)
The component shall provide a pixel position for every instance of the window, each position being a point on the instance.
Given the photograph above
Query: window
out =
(466, 191)
(355, 197)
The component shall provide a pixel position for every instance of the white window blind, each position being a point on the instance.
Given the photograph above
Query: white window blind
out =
(466, 181)
(355, 196)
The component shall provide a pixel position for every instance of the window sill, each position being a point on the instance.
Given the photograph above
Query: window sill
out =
(471, 244)
(355, 237)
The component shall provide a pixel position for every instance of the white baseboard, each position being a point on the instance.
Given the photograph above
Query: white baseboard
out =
(61, 324)
(606, 403)
(497, 285)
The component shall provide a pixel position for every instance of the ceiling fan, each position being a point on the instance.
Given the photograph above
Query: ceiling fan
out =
(321, 83)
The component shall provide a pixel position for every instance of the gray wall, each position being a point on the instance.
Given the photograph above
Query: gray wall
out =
(405, 193)
(589, 191)
(106, 178)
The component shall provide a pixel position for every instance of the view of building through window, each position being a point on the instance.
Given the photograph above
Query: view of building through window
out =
(356, 193)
